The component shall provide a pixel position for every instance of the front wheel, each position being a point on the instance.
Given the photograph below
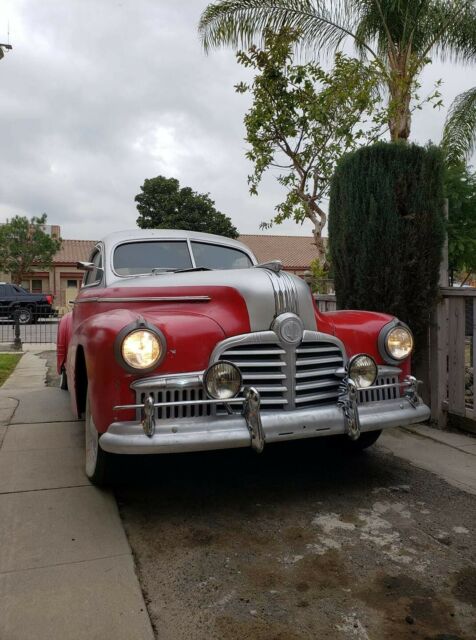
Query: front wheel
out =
(63, 380)
(364, 441)
(97, 460)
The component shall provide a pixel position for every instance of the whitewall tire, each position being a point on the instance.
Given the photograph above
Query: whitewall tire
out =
(97, 460)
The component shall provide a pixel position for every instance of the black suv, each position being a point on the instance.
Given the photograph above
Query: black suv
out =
(29, 306)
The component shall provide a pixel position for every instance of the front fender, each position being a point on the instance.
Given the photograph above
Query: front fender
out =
(190, 339)
(359, 331)
(63, 338)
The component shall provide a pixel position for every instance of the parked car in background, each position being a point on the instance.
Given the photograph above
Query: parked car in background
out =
(29, 307)
(180, 341)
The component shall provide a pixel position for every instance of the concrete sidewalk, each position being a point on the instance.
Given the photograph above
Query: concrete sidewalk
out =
(66, 569)
(451, 456)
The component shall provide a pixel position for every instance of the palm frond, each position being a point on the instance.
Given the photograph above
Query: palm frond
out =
(240, 23)
(459, 135)
(454, 30)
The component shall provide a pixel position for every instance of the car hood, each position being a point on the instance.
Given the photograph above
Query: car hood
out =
(263, 293)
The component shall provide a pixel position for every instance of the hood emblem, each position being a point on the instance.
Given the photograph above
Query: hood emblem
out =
(289, 327)
(272, 265)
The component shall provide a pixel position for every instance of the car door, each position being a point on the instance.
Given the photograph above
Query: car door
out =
(3, 293)
(10, 298)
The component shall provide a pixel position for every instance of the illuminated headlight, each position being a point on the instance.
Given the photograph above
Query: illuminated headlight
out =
(362, 370)
(141, 349)
(399, 343)
(222, 381)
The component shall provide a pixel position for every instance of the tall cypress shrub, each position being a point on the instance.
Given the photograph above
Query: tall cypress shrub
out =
(386, 231)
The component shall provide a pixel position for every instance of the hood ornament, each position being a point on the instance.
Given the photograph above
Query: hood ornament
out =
(272, 265)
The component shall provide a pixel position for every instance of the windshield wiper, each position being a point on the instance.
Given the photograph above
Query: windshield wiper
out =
(192, 269)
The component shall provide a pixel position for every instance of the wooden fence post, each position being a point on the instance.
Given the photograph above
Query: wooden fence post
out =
(438, 352)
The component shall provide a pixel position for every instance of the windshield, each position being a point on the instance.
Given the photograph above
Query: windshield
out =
(134, 258)
(143, 257)
(214, 256)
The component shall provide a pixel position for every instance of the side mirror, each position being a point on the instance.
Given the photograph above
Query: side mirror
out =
(86, 266)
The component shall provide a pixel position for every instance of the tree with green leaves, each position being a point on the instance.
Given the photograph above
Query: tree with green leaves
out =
(163, 204)
(460, 186)
(386, 231)
(25, 246)
(459, 134)
(400, 36)
(302, 120)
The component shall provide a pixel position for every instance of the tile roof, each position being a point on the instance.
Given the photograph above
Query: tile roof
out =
(295, 252)
(72, 251)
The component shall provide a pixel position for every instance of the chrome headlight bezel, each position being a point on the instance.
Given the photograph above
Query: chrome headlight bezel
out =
(384, 349)
(207, 380)
(131, 329)
(353, 362)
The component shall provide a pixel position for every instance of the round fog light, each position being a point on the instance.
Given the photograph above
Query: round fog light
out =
(362, 370)
(222, 381)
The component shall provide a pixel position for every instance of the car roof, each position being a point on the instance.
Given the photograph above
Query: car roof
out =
(129, 235)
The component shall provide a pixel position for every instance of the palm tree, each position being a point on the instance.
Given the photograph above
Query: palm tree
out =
(398, 35)
(459, 135)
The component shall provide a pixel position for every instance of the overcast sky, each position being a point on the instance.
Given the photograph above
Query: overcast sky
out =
(96, 96)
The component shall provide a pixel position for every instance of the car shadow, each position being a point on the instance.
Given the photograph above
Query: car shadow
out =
(285, 471)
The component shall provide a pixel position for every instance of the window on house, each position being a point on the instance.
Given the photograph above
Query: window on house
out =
(72, 284)
(36, 286)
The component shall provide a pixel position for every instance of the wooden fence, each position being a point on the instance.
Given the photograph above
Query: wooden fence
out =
(447, 373)
(451, 356)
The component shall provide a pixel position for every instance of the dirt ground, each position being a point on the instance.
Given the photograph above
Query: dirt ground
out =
(302, 542)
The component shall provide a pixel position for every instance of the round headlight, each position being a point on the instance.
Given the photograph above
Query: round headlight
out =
(222, 381)
(141, 349)
(399, 343)
(363, 370)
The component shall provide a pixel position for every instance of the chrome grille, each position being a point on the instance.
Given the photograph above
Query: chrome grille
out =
(262, 367)
(176, 395)
(316, 381)
(287, 377)
(376, 395)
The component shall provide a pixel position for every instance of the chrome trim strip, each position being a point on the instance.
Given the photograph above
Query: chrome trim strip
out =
(382, 371)
(179, 403)
(148, 299)
(169, 381)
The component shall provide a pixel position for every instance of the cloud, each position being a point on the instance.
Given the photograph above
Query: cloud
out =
(98, 96)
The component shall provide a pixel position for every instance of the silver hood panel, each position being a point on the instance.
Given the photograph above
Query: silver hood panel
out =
(267, 294)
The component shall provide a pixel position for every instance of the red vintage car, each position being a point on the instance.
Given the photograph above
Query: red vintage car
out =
(181, 341)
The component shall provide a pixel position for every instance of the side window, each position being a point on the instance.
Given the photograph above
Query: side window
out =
(94, 276)
(3, 292)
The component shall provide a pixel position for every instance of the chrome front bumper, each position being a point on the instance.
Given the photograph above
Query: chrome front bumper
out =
(253, 428)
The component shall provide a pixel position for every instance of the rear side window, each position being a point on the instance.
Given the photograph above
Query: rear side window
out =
(214, 256)
(134, 258)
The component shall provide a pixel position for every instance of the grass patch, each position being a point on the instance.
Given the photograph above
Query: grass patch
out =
(8, 361)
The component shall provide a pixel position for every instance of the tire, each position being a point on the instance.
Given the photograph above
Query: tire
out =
(63, 380)
(25, 315)
(97, 461)
(364, 441)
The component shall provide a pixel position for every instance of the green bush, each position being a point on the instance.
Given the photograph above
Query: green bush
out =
(386, 231)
